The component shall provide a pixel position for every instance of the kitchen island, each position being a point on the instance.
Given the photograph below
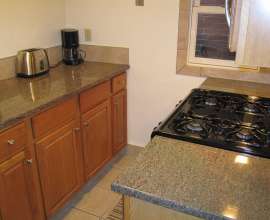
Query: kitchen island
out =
(196, 180)
(177, 180)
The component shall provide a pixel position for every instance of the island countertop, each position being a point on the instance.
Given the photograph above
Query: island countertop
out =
(23, 97)
(202, 181)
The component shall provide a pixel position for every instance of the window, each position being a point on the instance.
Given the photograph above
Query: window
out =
(209, 35)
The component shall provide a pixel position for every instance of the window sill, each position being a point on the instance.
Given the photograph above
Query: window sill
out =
(262, 76)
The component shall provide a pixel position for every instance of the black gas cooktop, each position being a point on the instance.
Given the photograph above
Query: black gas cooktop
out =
(220, 119)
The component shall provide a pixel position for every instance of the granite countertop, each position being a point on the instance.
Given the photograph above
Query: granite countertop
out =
(198, 180)
(234, 86)
(24, 97)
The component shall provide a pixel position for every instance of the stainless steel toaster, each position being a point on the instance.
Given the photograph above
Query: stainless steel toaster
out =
(32, 62)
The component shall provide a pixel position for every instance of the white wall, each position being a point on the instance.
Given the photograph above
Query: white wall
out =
(151, 34)
(30, 23)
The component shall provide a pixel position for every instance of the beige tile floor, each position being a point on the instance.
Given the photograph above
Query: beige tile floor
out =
(97, 203)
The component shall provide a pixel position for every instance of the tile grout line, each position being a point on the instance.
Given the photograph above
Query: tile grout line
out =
(86, 212)
(94, 183)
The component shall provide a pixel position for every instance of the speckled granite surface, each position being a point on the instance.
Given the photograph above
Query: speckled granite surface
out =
(202, 181)
(22, 97)
(234, 86)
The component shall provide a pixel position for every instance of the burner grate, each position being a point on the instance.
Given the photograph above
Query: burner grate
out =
(247, 136)
(230, 121)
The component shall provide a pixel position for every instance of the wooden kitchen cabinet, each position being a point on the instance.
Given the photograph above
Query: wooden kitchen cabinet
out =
(119, 120)
(58, 157)
(97, 148)
(119, 113)
(12, 141)
(20, 198)
(15, 189)
(57, 116)
(58, 149)
(47, 158)
(92, 97)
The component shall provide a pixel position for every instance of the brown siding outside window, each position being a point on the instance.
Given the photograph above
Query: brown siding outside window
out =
(212, 3)
(212, 37)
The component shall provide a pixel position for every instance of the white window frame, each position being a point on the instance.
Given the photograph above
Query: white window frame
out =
(199, 61)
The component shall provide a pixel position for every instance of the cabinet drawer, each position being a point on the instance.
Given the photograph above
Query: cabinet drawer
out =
(119, 82)
(94, 96)
(12, 141)
(54, 117)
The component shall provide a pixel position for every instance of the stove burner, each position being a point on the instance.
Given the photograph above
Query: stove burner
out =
(248, 138)
(222, 126)
(202, 99)
(251, 107)
(262, 124)
(194, 126)
(226, 124)
(244, 135)
(211, 101)
(184, 124)
(265, 104)
(224, 120)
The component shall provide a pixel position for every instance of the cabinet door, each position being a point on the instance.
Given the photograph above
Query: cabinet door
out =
(119, 120)
(253, 47)
(58, 160)
(15, 189)
(97, 138)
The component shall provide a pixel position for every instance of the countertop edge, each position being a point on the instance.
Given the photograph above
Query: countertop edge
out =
(173, 205)
(20, 117)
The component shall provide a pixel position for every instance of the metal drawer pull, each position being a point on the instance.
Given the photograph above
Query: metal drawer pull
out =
(11, 142)
(117, 104)
(86, 124)
(29, 161)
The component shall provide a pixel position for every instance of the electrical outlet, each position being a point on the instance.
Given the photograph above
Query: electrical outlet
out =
(87, 34)
(139, 2)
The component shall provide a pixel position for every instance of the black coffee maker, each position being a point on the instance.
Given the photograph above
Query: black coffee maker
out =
(72, 55)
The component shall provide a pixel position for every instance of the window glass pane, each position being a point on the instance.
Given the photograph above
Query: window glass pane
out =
(212, 37)
(213, 3)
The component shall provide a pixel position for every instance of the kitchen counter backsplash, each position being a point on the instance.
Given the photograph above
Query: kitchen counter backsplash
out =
(116, 55)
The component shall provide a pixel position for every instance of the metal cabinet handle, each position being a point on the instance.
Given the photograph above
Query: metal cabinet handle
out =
(227, 11)
(117, 107)
(11, 142)
(29, 162)
(86, 124)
